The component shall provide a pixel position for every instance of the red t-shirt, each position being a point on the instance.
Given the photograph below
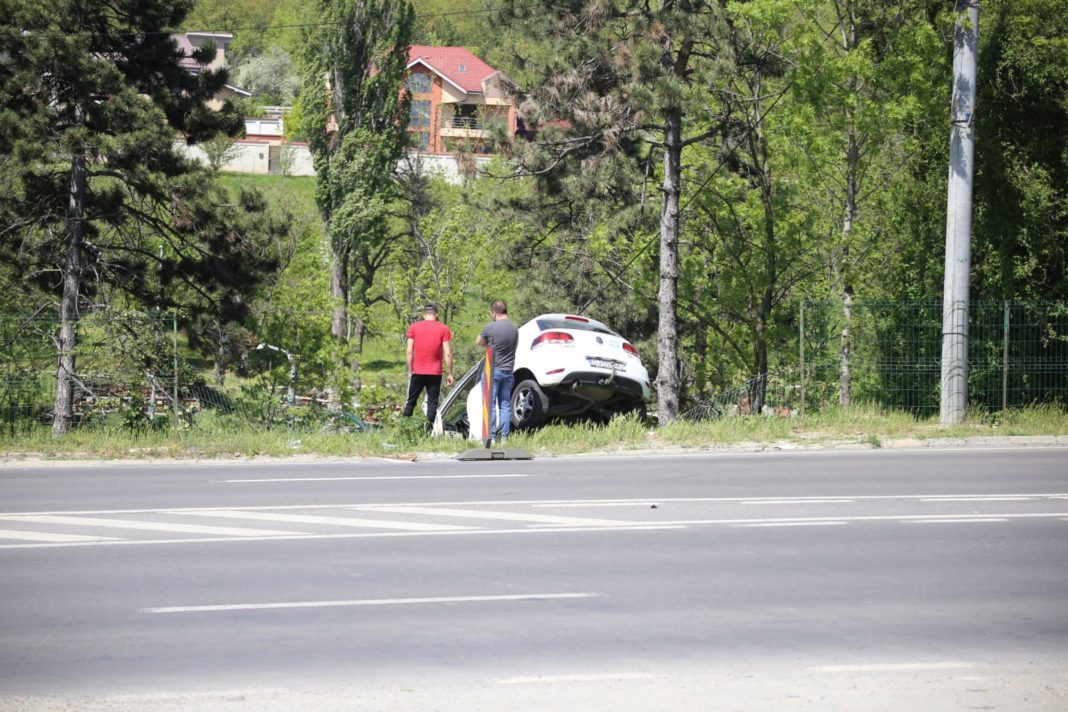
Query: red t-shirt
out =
(428, 336)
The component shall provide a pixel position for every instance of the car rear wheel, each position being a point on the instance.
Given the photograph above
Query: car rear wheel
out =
(530, 405)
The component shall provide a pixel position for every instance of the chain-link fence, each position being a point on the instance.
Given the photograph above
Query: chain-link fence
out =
(147, 370)
(125, 363)
(890, 354)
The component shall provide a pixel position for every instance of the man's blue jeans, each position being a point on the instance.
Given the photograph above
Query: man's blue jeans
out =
(501, 398)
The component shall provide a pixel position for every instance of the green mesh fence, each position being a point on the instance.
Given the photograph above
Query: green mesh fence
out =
(142, 369)
(146, 370)
(1017, 354)
(123, 362)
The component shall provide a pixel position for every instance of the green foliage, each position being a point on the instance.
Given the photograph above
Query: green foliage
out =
(270, 76)
(220, 150)
(453, 22)
(1021, 222)
(352, 98)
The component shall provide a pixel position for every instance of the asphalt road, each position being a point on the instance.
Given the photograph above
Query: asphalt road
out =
(806, 581)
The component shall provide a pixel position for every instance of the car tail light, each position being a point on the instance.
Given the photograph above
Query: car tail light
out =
(554, 372)
(584, 320)
(553, 337)
(630, 350)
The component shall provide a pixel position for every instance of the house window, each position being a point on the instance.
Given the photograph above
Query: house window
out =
(419, 117)
(419, 83)
(420, 140)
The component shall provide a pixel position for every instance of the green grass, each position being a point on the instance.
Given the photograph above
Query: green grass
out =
(866, 427)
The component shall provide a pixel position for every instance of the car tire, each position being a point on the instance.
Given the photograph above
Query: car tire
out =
(530, 405)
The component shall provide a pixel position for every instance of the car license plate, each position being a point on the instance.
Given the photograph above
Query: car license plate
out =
(605, 363)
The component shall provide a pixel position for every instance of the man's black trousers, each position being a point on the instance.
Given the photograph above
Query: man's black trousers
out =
(416, 383)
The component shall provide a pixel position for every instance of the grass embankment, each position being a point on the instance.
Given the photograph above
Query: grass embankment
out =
(838, 427)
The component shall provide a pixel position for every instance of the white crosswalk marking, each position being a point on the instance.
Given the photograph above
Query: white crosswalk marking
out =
(503, 516)
(332, 521)
(147, 526)
(49, 537)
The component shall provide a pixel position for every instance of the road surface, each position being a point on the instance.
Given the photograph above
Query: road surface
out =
(806, 581)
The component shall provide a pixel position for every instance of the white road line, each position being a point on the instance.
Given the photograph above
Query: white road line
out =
(400, 477)
(362, 535)
(332, 521)
(46, 536)
(145, 526)
(788, 524)
(892, 667)
(368, 602)
(549, 679)
(872, 518)
(579, 505)
(955, 520)
(535, 503)
(976, 499)
(503, 516)
(797, 501)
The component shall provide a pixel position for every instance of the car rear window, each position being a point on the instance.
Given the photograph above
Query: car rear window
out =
(549, 324)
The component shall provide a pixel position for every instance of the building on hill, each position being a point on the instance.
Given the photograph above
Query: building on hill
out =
(190, 42)
(456, 101)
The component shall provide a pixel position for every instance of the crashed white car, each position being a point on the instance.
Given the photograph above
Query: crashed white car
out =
(565, 366)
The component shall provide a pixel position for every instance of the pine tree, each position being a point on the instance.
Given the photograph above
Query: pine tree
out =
(623, 74)
(93, 96)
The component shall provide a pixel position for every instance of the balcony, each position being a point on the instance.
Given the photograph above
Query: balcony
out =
(464, 127)
(466, 122)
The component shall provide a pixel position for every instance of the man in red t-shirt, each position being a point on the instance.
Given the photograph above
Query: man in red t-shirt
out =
(428, 342)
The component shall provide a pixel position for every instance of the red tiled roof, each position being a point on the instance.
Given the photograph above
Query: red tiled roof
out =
(447, 61)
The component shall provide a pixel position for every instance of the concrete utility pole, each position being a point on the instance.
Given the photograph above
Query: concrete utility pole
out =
(955, 297)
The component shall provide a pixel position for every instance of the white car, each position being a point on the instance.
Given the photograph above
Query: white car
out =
(565, 366)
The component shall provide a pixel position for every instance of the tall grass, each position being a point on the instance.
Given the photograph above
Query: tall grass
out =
(407, 438)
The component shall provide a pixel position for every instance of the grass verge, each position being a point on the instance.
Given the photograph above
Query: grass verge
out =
(406, 439)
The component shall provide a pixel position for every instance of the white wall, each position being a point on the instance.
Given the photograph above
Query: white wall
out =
(253, 157)
(447, 167)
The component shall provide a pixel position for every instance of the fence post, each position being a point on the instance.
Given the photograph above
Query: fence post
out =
(1005, 360)
(801, 340)
(174, 324)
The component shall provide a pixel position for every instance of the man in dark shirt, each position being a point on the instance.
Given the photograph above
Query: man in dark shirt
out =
(502, 336)
(429, 341)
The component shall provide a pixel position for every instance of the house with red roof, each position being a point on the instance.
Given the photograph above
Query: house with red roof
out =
(456, 100)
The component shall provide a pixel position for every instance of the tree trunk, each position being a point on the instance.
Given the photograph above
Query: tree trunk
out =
(669, 385)
(222, 349)
(758, 388)
(771, 268)
(339, 323)
(845, 373)
(339, 291)
(63, 408)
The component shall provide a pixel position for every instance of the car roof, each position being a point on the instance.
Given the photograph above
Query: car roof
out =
(566, 317)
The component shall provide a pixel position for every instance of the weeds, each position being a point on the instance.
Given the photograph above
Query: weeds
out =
(225, 436)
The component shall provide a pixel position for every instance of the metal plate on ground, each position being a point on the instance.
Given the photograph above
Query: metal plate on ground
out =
(491, 454)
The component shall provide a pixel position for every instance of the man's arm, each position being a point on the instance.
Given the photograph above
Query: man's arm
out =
(446, 348)
(410, 355)
(480, 341)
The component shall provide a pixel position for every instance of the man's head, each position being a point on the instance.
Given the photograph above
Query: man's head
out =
(499, 309)
(430, 311)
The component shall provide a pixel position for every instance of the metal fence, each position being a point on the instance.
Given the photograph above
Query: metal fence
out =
(137, 370)
(125, 361)
(140, 370)
(1017, 354)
